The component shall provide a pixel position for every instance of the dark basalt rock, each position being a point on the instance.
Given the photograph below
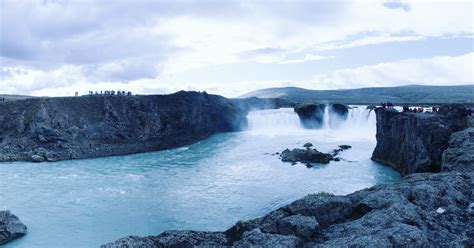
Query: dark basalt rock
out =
(345, 147)
(311, 115)
(424, 210)
(371, 107)
(414, 142)
(460, 153)
(308, 145)
(306, 156)
(10, 227)
(340, 110)
(51, 129)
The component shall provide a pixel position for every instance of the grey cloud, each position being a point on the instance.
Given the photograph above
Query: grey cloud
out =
(397, 5)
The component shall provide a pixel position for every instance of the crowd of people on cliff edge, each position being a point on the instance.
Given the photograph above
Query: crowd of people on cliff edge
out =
(417, 110)
(108, 93)
(387, 105)
(2, 99)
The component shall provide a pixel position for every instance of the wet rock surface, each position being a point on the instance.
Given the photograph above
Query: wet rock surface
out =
(404, 214)
(414, 142)
(309, 155)
(311, 114)
(305, 156)
(51, 129)
(10, 227)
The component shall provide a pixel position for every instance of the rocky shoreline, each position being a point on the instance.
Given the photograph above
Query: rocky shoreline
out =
(425, 209)
(52, 129)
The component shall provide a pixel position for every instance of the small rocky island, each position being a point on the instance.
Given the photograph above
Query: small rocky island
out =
(309, 155)
(433, 208)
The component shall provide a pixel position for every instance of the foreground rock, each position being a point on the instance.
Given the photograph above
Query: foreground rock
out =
(10, 227)
(311, 115)
(50, 129)
(414, 142)
(424, 210)
(460, 153)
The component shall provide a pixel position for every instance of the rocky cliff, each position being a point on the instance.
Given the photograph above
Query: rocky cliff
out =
(50, 129)
(414, 142)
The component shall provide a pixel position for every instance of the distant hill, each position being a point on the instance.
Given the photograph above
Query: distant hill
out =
(404, 94)
(14, 97)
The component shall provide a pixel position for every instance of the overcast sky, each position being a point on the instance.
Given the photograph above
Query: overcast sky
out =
(231, 47)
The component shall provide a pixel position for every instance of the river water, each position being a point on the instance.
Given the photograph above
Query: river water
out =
(206, 186)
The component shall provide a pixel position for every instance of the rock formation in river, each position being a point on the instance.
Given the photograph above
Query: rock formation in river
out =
(309, 155)
(414, 142)
(10, 227)
(50, 129)
(311, 114)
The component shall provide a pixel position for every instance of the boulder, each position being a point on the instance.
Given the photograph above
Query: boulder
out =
(10, 227)
(414, 142)
(308, 145)
(37, 158)
(298, 225)
(172, 239)
(311, 115)
(460, 153)
(305, 156)
(345, 147)
(130, 242)
(256, 238)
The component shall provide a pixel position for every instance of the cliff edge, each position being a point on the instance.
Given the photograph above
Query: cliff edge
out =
(51, 129)
(414, 142)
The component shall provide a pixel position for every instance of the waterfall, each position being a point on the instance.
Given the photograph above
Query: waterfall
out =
(284, 119)
(361, 118)
(326, 118)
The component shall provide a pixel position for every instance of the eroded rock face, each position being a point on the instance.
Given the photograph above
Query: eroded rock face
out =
(310, 114)
(50, 129)
(10, 227)
(460, 153)
(401, 215)
(414, 142)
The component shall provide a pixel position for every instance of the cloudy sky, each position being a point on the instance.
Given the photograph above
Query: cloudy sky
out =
(231, 47)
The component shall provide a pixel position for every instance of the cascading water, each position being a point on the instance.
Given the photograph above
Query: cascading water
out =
(326, 118)
(284, 119)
